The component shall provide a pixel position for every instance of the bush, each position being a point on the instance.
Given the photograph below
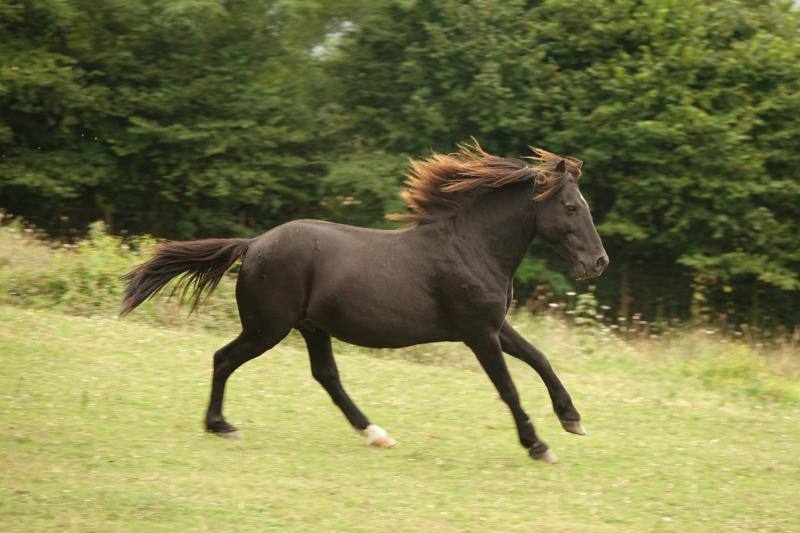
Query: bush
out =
(737, 368)
(85, 278)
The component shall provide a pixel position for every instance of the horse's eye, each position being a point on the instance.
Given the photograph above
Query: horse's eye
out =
(572, 208)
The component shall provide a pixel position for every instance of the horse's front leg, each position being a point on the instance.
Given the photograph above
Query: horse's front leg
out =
(490, 355)
(514, 344)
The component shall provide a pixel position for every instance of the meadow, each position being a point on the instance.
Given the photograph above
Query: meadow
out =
(208, 118)
(102, 424)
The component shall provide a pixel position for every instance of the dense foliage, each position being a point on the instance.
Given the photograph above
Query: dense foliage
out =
(207, 117)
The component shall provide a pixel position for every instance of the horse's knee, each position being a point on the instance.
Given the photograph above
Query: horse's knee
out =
(510, 397)
(324, 376)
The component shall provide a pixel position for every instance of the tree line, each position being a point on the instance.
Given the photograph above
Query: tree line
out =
(196, 118)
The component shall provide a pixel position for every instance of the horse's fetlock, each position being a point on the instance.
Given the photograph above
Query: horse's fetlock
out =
(567, 411)
(537, 448)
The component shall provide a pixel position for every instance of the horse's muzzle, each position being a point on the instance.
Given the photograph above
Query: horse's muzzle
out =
(599, 266)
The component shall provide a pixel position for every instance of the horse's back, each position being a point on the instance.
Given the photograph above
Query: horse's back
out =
(304, 243)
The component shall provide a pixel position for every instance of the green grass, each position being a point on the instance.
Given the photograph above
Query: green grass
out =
(101, 430)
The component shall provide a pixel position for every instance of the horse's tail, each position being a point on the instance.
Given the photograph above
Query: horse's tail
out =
(200, 265)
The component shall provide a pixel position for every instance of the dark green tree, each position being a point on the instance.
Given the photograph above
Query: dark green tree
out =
(684, 112)
(169, 117)
(208, 117)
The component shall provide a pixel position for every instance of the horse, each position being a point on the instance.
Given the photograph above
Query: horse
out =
(446, 276)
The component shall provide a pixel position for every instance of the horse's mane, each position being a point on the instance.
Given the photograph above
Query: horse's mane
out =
(440, 182)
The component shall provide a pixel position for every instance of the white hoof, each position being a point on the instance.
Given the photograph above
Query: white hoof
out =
(377, 436)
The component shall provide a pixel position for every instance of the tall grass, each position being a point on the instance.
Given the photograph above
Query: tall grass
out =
(84, 278)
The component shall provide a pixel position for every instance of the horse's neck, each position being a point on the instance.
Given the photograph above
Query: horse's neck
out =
(502, 223)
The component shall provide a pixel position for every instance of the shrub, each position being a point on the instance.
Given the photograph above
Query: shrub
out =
(737, 368)
(85, 278)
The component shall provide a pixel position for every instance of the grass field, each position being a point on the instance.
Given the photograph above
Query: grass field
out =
(101, 425)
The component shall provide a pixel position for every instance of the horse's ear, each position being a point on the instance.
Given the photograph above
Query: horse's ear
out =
(561, 166)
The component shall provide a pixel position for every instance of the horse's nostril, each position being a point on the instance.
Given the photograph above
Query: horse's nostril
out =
(601, 262)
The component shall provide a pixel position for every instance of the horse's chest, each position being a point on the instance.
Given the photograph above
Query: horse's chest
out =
(476, 288)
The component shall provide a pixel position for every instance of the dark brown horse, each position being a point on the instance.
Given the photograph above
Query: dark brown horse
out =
(445, 277)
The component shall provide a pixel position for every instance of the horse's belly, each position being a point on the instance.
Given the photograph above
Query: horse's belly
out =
(392, 321)
(379, 336)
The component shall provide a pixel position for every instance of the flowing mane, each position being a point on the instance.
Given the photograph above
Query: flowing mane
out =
(440, 183)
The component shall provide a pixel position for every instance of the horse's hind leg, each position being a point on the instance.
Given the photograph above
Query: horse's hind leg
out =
(248, 345)
(323, 368)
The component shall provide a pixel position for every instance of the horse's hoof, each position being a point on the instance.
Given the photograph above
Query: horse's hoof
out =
(233, 435)
(573, 426)
(226, 431)
(377, 436)
(547, 457)
(385, 442)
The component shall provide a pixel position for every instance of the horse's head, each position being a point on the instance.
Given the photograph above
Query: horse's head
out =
(564, 220)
